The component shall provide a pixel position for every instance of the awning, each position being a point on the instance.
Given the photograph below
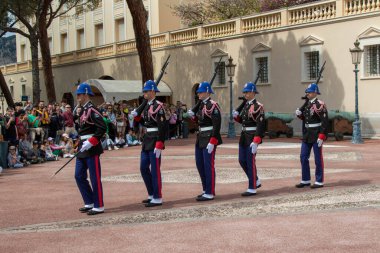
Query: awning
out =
(124, 89)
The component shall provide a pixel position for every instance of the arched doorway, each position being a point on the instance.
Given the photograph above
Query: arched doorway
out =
(69, 98)
(105, 77)
(97, 99)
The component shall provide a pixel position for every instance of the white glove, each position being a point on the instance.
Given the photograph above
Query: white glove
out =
(235, 113)
(157, 152)
(86, 146)
(320, 142)
(253, 147)
(190, 113)
(210, 148)
(298, 112)
(134, 113)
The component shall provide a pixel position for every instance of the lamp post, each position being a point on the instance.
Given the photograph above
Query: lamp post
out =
(356, 54)
(2, 102)
(231, 72)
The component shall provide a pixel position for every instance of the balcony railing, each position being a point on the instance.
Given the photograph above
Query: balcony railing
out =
(302, 14)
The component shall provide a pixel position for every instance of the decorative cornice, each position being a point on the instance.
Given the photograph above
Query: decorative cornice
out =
(219, 53)
(311, 40)
(370, 33)
(261, 47)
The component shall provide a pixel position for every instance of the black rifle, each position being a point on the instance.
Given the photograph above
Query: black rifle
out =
(241, 106)
(162, 72)
(196, 107)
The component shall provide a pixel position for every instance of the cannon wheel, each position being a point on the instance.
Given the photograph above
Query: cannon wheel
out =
(272, 134)
(290, 133)
(338, 136)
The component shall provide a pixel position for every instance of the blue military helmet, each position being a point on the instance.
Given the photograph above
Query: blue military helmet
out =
(205, 87)
(84, 88)
(313, 87)
(150, 85)
(250, 87)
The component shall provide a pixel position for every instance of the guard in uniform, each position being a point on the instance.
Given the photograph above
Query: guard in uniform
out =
(251, 115)
(91, 130)
(315, 122)
(209, 121)
(153, 119)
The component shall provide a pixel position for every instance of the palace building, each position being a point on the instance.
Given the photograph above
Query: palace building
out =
(290, 45)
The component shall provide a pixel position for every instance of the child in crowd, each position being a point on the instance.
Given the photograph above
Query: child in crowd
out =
(49, 156)
(132, 138)
(120, 141)
(68, 146)
(14, 158)
(36, 155)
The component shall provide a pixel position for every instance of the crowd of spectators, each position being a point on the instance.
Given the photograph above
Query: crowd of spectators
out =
(45, 132)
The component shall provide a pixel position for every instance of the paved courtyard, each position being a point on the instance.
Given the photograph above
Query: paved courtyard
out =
(40, 214)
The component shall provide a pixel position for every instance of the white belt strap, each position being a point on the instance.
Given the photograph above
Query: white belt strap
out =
(313, 125)
(203, 129)
(86, 137)
(152, 129)
(249, 128)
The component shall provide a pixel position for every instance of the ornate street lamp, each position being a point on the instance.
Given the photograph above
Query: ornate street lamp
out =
(356, 54)
(231, 72)
(2, 97)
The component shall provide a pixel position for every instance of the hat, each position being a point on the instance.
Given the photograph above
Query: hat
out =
(150, 85)
(50, 139)
(204, 87)
(312, 88)
(65, 135)
(250, 87)
(84, 88)
(18, 104)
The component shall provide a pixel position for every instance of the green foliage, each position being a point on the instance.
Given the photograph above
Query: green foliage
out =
(206, 11)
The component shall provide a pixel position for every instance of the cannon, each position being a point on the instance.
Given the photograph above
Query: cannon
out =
(278, 123)
(340, 123)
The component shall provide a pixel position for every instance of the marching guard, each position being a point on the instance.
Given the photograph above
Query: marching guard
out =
(209, 120)
(153, 119)
(315, 122)
(92, 128)
(251, 115)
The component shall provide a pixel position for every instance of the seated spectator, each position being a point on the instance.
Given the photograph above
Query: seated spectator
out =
(49, 156)
(25, 148)
(14, 159)
(36, 155)
(56, 149)
(132, 138)
(120, 141)
(68, 146)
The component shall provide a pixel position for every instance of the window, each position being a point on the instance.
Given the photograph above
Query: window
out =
(12, 91)
(220, 78)
(372, 60)
(23, 90)
(99, 38)
(23, 53)
(262, 63)
(50, 45)
(311, 58)
(119, 30)
(80, 39)
(64, 43)
(312, 64)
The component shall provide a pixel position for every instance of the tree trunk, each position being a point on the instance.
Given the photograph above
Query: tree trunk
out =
(139, 16)
(45, 53)
(5, 90)
(35, 69)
